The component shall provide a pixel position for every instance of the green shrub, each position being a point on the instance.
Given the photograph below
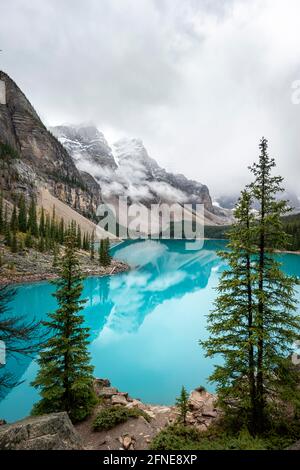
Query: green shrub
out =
(110, 416)
(179, 437)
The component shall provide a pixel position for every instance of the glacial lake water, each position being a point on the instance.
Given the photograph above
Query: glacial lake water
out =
(144, 325)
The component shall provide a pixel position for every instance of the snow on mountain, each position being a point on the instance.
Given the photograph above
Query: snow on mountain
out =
(128, 170)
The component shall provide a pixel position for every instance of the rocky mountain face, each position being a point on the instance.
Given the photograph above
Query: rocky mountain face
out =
(77, 166)
(40, 159)
(128, 170)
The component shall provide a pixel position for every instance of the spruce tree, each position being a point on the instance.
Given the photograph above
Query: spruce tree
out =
(182, 404)
(277, 326)
(231, 323)
(254, 324)
(92, 246)
(42, 228)
(22, 218)
(79, 243)
(28, 240)
(101, 253)
(61, 231)
(14, 220)
(32, 219)
(21, 337)
(14, 243)
(65, 378)
(1, 214)
(106, 254)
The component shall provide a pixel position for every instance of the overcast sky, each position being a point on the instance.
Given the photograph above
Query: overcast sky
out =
(199, 81)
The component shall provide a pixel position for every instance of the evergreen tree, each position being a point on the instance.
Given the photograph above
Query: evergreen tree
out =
(277, 326)
(1, 214)
(56, 254)
(61, 231)
(28, 240)
(6, 227)
(48, 227)
(79, 244)
(22, 218)
(53, 224)
(14, 243)
(42, 227)
(32, 219)
(254, 324)
(182, 404)
(21, 337)
(14, 220)
(41, 245)
(231, 323)
(92, 246)
(106, 255)
(101, 253)
(65, 377)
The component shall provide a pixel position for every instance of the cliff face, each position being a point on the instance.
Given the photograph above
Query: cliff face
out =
(42, 161)
(136, 175)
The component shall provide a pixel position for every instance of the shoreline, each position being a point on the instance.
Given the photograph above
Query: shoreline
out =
(116, 267)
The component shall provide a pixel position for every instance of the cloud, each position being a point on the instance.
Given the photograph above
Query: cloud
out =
(198, 82)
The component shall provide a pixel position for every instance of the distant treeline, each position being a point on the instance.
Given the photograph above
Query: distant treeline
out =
(291, 224)
(292, 227)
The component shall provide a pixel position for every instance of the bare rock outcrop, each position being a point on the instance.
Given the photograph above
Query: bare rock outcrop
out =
(48, 432)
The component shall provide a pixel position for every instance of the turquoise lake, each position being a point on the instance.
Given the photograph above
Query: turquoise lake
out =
(145, 324)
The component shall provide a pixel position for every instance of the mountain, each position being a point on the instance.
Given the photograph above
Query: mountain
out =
(75, 164)
(39, 159)
(128, 170)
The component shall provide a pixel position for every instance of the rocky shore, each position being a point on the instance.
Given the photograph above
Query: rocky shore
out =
(33, 266)
(55, 431)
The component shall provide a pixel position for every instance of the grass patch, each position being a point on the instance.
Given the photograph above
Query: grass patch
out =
(110, 416)
(179, 437)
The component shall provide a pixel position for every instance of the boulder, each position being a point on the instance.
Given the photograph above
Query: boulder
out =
(119, 400)
(107, 392)
(128, 442)
(48, 432)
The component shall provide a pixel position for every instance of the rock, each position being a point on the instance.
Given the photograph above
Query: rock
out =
(136, 403)
(210, 414)
(102, 383)
(2, 422)
(107, 392)
(118, 400)
(150, 413)
(201, 427)
(295, 446)
(48, 432)
(127, 442)
(200, 400)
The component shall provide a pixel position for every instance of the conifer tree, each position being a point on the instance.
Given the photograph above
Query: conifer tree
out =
(14, 242)
(28, 240)
(92, 246)
(231, 322)
(65, 378)
(32, 219)
(61, 231)
(1, 214)
(41, 245)
(106, 255)
(22, 218)
(14, 220)
(182, 404)
(42, 228)
(21, 337)
(254, 323)
(79, 244)
(6, 227)
(101, 254)
(277, 326)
